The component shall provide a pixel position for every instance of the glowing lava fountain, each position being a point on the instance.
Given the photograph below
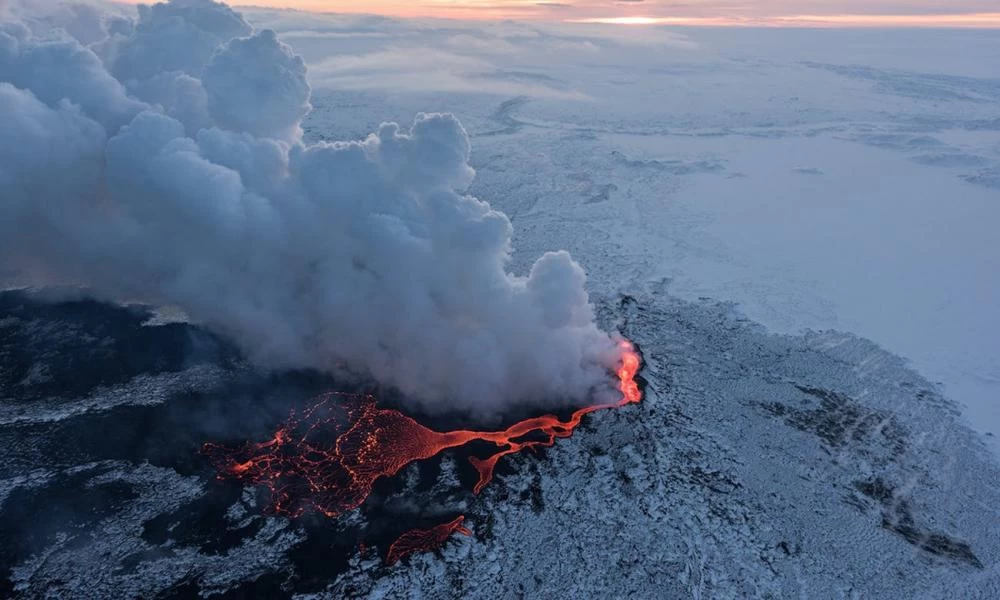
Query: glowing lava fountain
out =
(307, 464)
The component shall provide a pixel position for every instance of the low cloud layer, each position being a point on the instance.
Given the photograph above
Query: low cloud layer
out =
(350, 52)
(160, 158)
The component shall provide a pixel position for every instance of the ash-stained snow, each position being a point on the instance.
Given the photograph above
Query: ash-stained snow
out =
(114, 559)
(140, 391)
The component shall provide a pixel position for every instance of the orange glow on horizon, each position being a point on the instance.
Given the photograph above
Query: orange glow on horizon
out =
(971, 20)
(470, 10)
(975, 20)
(535, 10)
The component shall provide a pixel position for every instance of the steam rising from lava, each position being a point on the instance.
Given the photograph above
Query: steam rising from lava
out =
(161, 158)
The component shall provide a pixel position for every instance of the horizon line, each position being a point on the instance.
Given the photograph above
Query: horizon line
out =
(935, 21)
(967, 20)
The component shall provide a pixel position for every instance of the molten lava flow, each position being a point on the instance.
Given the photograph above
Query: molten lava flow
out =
(424, 540)
(306, 464)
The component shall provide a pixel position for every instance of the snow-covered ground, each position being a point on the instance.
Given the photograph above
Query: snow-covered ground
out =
(757, 466)
(838, 179)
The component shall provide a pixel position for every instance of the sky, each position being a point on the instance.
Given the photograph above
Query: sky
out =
(906, 13)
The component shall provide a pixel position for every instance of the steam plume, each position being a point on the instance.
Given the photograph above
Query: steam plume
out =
(163, 160)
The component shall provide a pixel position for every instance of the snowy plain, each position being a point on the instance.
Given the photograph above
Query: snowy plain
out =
(819, 179)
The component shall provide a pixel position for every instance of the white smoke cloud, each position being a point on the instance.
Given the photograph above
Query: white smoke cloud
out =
(277, 86)
(164, 162)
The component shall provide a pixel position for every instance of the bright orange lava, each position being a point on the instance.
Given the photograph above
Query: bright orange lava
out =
(424, 540)
(306, 464)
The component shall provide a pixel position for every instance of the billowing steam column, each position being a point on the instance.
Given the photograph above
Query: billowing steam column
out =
(162, 160)
(173, 170)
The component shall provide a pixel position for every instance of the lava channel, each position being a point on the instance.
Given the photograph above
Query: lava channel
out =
(306, 465)
(424, 540)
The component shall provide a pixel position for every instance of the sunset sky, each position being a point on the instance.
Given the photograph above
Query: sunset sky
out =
(914, 13)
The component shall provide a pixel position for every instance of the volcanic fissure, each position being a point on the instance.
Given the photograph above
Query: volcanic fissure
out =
(328, 457)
